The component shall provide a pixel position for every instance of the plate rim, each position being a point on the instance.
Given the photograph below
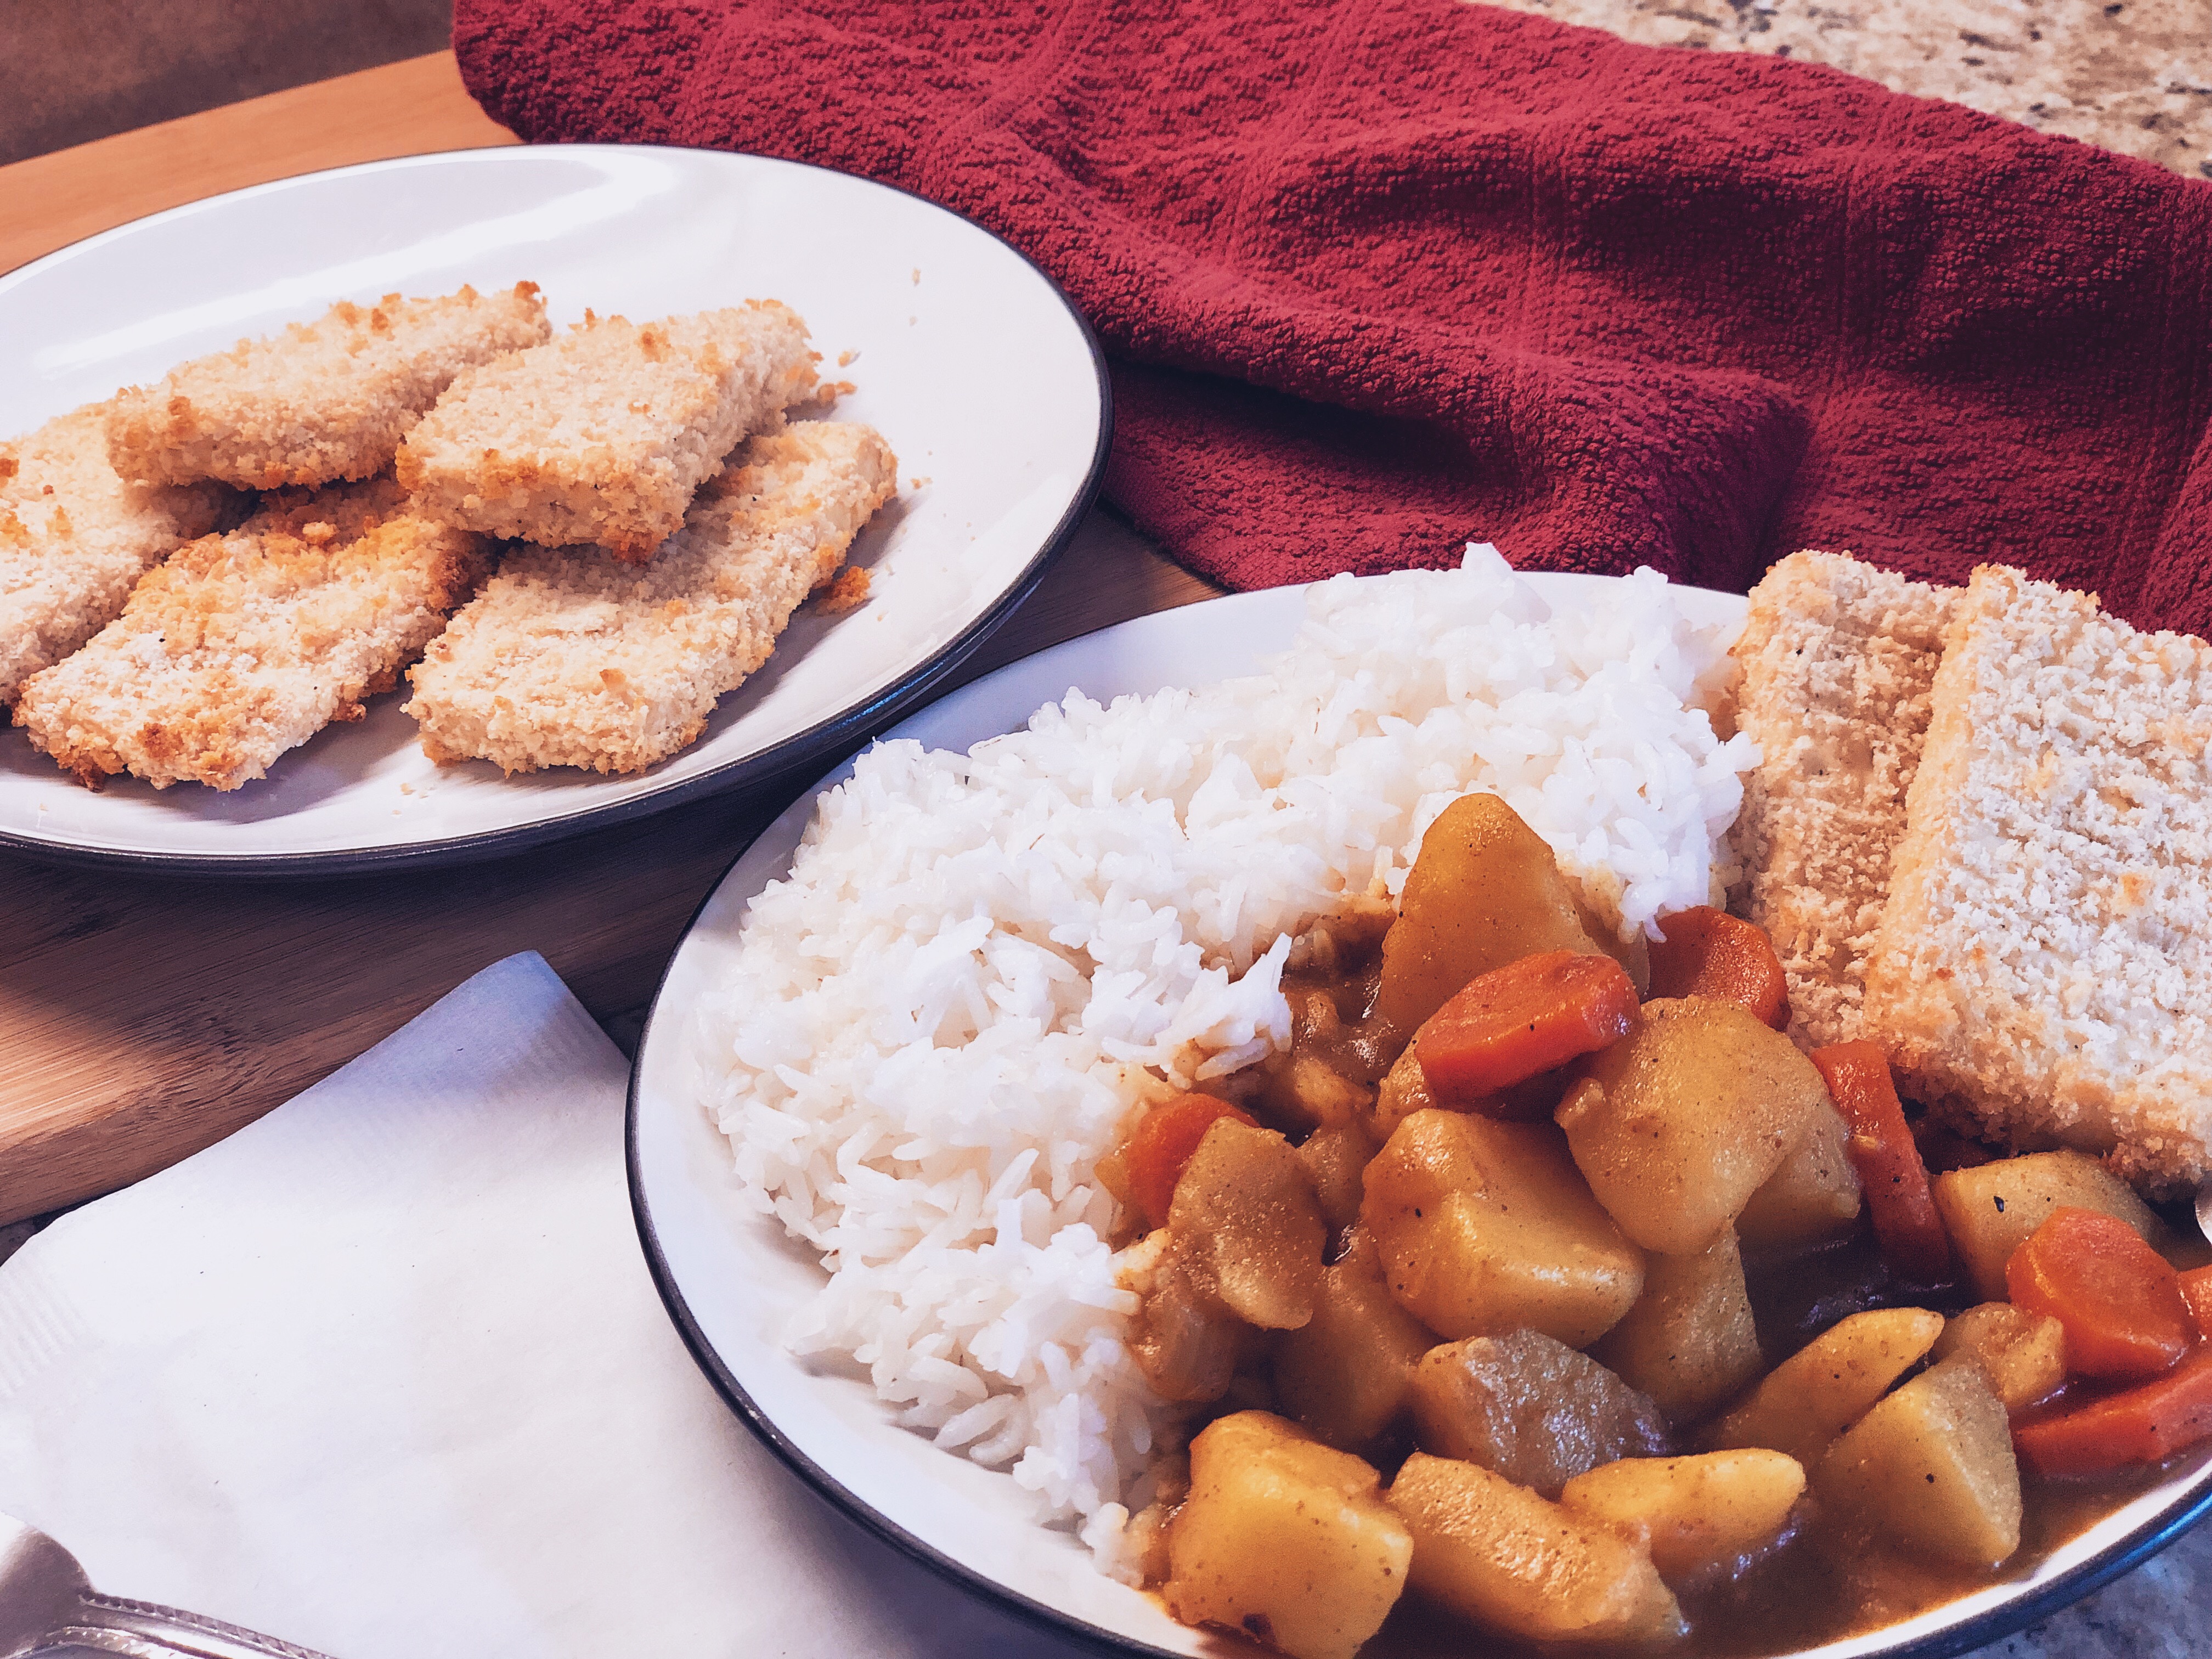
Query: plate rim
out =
(2123, 1554)
(843, 729)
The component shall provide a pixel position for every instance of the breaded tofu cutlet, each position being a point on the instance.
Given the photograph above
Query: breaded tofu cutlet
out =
(74, 537)
(570, 658)
(244, 645)
(2045, 960)
(323, 401)
(602, 435)
(1838, 659)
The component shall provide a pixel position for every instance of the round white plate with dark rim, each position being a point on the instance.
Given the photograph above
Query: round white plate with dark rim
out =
(731, 1278)
(969, 360)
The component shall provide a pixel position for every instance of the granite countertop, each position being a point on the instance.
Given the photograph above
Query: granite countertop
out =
(2134, 75)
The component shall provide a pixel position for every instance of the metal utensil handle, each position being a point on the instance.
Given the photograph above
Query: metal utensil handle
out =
(142, 1630)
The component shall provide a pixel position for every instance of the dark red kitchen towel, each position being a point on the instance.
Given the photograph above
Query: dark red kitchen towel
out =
(1379, 276)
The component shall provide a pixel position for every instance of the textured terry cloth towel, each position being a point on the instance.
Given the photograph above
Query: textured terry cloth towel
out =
(1380, 277)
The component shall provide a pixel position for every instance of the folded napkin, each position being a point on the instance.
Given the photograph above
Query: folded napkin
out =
(1378, 277)
(384, 1374)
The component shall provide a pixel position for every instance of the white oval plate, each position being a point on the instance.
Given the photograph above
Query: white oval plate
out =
(986, 381)
(732, 1279)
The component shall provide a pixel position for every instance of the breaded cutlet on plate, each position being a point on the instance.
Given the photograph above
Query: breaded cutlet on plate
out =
(602, 435)
(320, 402)
(2043, 963)
(1839, 661)
(571, 657)
(245, 645)
(74, 537)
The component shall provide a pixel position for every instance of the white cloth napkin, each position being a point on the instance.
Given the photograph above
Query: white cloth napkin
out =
(384, 1374)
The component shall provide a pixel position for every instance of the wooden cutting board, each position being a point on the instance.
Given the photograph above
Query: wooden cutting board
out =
(143, 1017)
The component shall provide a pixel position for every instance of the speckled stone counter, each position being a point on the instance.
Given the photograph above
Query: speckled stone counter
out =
(2134, 77)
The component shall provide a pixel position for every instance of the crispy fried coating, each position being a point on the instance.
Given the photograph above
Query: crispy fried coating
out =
(320, 402)
(602, 435)
(74, 538)
(245, 645)
(571, 657)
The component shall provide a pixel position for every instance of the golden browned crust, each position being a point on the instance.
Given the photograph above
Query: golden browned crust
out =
(602, 435)
(323, 401)
(571, 657)
(74, 538)
(1838, 659)
(242, 646)
(2045, 958)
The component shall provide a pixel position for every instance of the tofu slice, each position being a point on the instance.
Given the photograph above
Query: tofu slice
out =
(1838, 661)
(604, 435)
(2044, 959)
(74, 538)
(321, 402)
(572, 658)
(245, 645)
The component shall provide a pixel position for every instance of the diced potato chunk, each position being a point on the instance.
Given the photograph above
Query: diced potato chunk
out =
(1335, 1157)
(1811, 1397)
(1991, 1209)
(1184, 1341)
(1679, 1123)
(1701, 1517)
(1247, 1221)
(1486, 1226)
(1284, 1539)
(1484, 890)
(1689, 1342)
(1345, 1373)
(1931, 1469)
(1518, 1562)
(1404, 1091)
(1533, 1409)
(1814, 1195)
(2022, 1355)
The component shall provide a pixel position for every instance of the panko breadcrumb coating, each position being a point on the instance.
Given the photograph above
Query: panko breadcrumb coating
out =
(2044, 959)
(569, 657)
(1838, 657)
(323, 401)
(74, 537)
(245, 645)
(602, 435)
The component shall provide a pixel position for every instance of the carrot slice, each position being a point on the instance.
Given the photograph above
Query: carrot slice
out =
(2119, 1300)
(2197, 1291)
(1161, 1144)
(1710, 953)
(1882, 1149)
(2141, 1424)
(1507, 1025)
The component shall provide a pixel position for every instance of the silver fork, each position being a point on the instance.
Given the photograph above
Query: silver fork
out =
(47, 1606)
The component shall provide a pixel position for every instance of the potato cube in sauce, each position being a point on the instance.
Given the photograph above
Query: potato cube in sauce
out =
(1690, 1342)
(1505, 1556)
(1531, 1408)
(1487, 1226)
(1284, 1539)
(1703, 1517)
(1679, 1123)
(1931, 1469)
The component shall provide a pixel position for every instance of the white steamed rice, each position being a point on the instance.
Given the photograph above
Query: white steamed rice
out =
(940, 1019)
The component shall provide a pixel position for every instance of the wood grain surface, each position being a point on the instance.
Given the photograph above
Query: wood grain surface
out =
(143, 1017)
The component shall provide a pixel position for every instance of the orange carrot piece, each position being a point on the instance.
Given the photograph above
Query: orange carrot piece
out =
(1505, 1026)
(2141, 1424)
(2197, 1291)
(2119, 1300)
(1882, 1149)
(1161, 1144)
(1710, 953)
